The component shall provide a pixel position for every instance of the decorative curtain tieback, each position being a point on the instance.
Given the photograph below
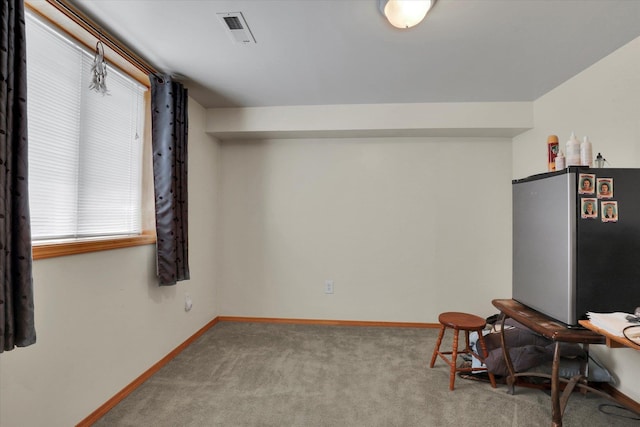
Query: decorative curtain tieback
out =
(99, 71)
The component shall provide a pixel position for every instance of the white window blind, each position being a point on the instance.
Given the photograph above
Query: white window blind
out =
(85, 149)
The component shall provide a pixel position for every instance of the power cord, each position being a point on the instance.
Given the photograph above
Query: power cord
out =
(605, 408)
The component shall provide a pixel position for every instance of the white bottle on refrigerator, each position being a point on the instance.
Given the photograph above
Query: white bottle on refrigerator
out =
(586, 154)
(572, 152)
(560, 161)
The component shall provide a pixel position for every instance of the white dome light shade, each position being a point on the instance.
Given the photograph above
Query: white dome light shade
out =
(405, 13)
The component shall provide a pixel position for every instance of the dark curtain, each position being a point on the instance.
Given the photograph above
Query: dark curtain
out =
(169, 123)
(16, 290)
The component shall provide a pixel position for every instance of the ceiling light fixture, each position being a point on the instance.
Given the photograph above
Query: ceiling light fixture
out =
(405, 13)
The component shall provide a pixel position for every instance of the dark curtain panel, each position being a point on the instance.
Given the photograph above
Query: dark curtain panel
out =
(169, 123)
(16, 290)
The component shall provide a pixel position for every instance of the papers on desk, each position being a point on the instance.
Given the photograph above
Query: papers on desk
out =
(613, 323)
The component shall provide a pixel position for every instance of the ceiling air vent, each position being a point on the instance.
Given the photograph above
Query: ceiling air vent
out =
(237, 27)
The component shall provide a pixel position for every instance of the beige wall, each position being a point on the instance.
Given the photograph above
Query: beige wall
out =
(406, 227)
(602, 102)
(101, 319)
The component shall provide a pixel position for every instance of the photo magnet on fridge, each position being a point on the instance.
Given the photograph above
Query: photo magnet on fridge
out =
(586, 183)
(605, 188)
(610, 211)
(589, 208)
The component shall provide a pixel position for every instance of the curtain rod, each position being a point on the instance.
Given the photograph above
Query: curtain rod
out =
(98, 32)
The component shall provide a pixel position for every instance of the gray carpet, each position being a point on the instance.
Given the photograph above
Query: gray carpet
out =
(254, 374)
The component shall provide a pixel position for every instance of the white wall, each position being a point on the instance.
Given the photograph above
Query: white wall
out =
(602, 102)
(406, 227)
(101, 319)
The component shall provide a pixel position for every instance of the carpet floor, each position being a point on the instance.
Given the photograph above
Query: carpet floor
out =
(260, 374)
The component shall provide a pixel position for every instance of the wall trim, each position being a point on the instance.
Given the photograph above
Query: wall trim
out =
(326, 322)
(620, 397)
(118, 397)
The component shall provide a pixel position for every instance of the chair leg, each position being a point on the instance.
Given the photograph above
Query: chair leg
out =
(485, 353)
(437, 349)
(454, 358)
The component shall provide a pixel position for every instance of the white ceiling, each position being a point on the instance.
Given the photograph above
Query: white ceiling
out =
(325, 52)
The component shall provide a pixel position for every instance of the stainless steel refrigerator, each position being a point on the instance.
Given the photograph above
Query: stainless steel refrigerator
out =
(576, 244)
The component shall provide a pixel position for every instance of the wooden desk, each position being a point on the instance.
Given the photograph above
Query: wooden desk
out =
(612, 341)
(558, 333)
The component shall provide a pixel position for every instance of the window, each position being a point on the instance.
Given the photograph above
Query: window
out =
(85, 148)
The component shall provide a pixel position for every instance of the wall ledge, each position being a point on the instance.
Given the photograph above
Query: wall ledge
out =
(474, 119)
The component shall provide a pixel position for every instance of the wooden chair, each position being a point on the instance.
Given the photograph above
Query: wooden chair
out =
(461, 322)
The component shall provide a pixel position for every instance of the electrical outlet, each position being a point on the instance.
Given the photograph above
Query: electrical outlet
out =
(187, 302)
(328, 286)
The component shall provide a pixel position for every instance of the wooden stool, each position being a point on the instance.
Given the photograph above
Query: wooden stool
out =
(467, 323)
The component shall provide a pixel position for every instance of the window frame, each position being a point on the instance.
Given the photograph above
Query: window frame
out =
(54, 16)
